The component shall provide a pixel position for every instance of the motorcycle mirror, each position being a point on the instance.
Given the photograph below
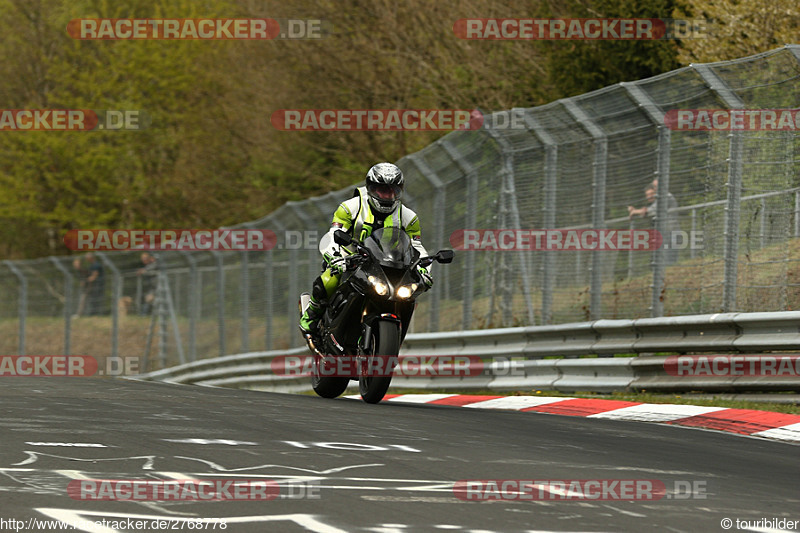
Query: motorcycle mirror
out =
(445, 256)
(342, 238)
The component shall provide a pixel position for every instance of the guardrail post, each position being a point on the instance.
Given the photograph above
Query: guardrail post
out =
(438, 230)
(22, 304)
(549, 209)
(116, 295)
(656, 116)
(68, 280)
(470, 218)
(194, 306)
(599, 197)
(220, 300)
(734, 185)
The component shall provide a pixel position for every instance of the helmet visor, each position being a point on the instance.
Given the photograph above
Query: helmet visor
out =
(385, 191)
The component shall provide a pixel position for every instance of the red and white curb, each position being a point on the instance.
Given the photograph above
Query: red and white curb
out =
(768, 424)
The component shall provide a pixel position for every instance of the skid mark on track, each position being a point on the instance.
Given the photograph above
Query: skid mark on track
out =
(33, 457)
(221, 468)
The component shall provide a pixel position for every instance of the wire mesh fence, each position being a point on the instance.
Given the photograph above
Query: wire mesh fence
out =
(731, 225)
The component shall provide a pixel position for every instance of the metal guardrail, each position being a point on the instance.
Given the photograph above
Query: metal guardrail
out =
(516, 356)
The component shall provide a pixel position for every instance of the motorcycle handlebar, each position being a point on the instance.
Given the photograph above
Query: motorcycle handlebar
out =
(362, 254)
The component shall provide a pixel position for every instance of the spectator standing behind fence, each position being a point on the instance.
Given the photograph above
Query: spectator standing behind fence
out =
(148, 273)
(96, 282)
(672, 225)
(80, 270)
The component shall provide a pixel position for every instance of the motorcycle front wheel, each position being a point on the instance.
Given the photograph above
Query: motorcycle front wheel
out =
(385, 342)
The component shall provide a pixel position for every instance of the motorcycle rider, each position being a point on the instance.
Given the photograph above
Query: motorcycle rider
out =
(374, 205)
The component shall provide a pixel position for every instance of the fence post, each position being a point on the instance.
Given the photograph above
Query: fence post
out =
(269, 284)
(139, 290)
(549, 209)
(294, 287)
(68, 280)
(510, 191)
(22, 305)
(797, 214)
(268, 299)
(220, 300)
(734, 185)
(244, 296)
(470, 220)
(631, 227)
(599, 197)
(314, 257)
(438, 229)
(656, 116)
(194, 306)
(116, 295)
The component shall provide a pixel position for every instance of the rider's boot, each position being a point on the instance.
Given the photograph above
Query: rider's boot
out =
(315, 310)
(311, 316)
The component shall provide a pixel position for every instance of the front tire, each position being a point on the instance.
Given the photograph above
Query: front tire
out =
(385, 342)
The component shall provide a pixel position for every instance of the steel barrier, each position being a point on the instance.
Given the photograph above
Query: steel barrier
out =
(552, 357)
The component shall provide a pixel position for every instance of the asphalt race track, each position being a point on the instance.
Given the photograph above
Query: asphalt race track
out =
(380, 468)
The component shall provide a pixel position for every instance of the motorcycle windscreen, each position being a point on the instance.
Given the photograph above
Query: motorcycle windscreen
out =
(391, 247)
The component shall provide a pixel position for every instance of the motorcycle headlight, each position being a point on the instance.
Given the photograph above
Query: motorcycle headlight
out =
(380, 287)
(406, 291)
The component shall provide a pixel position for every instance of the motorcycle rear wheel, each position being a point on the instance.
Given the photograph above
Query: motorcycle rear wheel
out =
(327, 386)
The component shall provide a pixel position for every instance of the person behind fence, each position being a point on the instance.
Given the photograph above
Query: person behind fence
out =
(96, 284)
(82, 273)
(375, 205)
(148, 273)
(672, 225)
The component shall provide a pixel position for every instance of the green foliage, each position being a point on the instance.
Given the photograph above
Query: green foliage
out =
(577, 67)
(210, 156)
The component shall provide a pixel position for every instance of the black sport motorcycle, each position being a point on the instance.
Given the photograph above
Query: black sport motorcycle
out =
(368, 316)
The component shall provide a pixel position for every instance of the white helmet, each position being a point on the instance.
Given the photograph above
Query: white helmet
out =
(385, 184)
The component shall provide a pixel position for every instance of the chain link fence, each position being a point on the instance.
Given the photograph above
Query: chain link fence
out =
(575, 163)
